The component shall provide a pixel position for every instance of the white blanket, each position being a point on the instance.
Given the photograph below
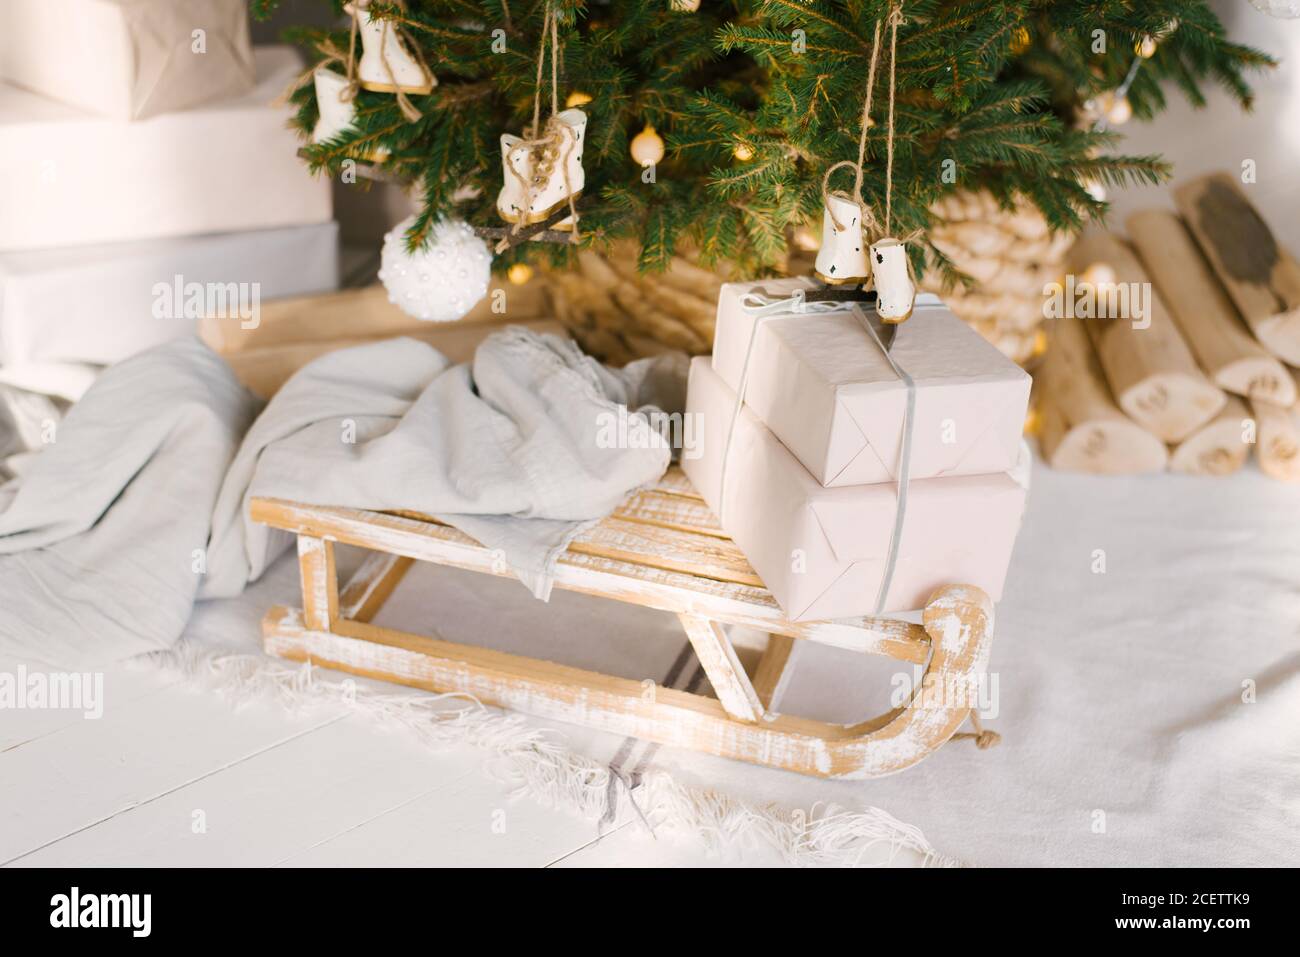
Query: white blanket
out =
(141, 505)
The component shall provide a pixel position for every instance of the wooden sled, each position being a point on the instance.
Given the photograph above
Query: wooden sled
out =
(663, 549)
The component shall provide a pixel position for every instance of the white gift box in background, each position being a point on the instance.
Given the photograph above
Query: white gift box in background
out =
(72, 178)
(127, 59)
(99, 304)
(63, 380)
(822, 552)
(823, 386)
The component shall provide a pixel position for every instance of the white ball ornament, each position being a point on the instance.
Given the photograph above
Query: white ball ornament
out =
(441, 282)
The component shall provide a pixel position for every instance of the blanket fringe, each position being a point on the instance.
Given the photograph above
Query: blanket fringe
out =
(536, 764)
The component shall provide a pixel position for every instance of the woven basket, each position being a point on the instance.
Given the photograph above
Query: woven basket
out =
(617, 314)
(1011, 256)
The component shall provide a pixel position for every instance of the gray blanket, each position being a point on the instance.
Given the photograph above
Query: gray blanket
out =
(141, 505)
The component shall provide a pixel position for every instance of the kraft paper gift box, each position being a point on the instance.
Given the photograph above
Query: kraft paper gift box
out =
(99, 304)
(820, 382)
(72, 178)
(127, 59)
(822, 551)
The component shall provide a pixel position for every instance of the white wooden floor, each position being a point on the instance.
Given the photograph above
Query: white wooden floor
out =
(175, 777)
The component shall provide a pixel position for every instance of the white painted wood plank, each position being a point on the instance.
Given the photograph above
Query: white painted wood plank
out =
(475, 822)
(19, 726)
(273, 805)
(86, 772)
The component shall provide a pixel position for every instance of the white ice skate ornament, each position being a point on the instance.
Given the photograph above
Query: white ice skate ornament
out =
(895, 291)
(842, 258)
(337, 110)
(387, 64)
(541, 175)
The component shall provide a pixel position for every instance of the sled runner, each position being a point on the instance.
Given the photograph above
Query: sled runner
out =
(662, 549)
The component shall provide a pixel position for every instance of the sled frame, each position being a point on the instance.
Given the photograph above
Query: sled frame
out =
(662, 549)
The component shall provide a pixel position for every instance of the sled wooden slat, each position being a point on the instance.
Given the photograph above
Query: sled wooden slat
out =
(671, 511)
(662, 549)
(371, 585)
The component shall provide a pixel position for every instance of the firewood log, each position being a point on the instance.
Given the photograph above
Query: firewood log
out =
(1219, 447)
(1261, 277)
(1147, 363)
(1082, 430)
(1277, 440)
(1202, 310)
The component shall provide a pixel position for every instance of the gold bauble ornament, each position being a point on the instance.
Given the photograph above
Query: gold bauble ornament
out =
(519, 273)
(744, 152)
(1146, 47)
(577, 98)
(647, 147)
(1020, 41)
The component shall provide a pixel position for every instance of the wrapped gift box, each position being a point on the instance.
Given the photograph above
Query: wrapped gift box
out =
(99, 304)
(62, 380)
(822, 551)
(72, 178)
(820, 382)
(127, 59)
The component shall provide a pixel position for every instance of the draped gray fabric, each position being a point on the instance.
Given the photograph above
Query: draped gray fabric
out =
(140, 506)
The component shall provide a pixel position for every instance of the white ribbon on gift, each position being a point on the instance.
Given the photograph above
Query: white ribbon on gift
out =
(764, 307)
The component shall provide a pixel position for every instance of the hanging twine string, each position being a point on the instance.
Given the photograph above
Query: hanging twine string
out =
(330, 54)
(550, 143)
(827, 193)
(403, 102)
(869, 220)
(895, 18)
(350, 70)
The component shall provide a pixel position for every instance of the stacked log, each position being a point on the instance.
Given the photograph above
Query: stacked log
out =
(1206, 369)
(1081, 428)
(1260, 277)
(1148, 364)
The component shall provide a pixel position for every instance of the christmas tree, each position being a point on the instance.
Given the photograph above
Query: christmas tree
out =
(756, 99)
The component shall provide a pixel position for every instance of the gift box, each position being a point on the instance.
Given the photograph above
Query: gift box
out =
(823, 552)
(61, 380)
(72, 178)
(822, 384)
(127, 59)
(99, 304)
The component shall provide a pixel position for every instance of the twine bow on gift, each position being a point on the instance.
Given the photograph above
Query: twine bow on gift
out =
(549, 144)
